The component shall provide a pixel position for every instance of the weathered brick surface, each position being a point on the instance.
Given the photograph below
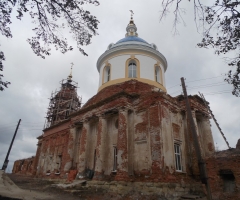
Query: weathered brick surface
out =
(148, 190)
(155, 116)
(122, 147)
(227, 160)
(154, 132)
(24, 166)
(101, 132)
(72, 175)
(82, 150)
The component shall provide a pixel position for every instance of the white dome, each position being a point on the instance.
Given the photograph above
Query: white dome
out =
(132, 58)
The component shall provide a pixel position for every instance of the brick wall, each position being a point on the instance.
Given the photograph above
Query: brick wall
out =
(24, 166)
(224, 174)
(157, 119)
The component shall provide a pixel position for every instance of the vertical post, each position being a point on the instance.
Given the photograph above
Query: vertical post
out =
(10, 147)
(201, 162)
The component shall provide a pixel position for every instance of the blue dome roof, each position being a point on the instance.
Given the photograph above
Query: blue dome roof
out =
(131, 38)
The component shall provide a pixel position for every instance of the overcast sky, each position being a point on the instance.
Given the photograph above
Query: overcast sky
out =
(33, 79)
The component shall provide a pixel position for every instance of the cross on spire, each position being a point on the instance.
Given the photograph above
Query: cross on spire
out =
(132, 13)
(131, 28)
(70, 75)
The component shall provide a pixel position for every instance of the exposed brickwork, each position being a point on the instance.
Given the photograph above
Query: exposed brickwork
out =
(83, 141)
(157, 119)
(176, 131)
(210, 146)
(122, 154)
(154, 132)
(100, 149)
(224, 163)
(141, 128)
(24, 166)
(72, 175)
(36, 159)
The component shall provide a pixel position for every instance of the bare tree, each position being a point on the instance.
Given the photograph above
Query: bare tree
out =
(50, 16)
(2, 83)
(225, 16)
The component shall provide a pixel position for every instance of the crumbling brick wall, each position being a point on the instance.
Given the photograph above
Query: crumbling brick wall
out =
(224, 174)
(132, 119)
(24, 166)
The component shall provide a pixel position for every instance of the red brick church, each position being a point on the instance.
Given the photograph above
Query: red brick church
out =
(132, 130)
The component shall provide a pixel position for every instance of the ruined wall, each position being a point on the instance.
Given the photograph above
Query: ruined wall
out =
(55, 157)
(24, 166)
(224, 174)
(38, 152)
(126, 132)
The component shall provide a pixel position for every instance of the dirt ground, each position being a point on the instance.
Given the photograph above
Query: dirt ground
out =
(32, 188)
(45, 191)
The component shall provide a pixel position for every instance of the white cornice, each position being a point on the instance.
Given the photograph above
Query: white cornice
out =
(127, 48)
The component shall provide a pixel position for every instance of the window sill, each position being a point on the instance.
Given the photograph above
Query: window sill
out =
(114, 172)
(180, 172)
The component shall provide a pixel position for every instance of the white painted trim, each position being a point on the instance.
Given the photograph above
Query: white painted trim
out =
(129, 49)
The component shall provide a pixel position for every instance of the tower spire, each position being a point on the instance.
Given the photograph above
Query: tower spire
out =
(132, 13)
(131, 27)
(70, 75)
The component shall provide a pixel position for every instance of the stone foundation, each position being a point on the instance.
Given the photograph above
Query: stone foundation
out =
(171, 191)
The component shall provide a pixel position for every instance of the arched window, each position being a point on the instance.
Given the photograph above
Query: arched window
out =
(132, 69)
(157, 74)
(106, 74)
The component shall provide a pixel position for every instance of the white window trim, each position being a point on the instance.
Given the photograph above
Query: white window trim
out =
(132, 66)
(106, 74)
(179, 154)
(157, 74)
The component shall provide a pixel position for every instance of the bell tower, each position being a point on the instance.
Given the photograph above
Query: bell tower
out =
(63, 102)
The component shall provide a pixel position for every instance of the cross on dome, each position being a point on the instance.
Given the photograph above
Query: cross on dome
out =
(131, 28)
(132, 13)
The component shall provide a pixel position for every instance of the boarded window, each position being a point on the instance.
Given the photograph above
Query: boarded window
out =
(228, 180)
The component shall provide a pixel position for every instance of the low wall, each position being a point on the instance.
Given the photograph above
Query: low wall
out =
(171, 191)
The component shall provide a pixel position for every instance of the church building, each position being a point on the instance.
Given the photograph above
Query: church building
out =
(132, 130)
